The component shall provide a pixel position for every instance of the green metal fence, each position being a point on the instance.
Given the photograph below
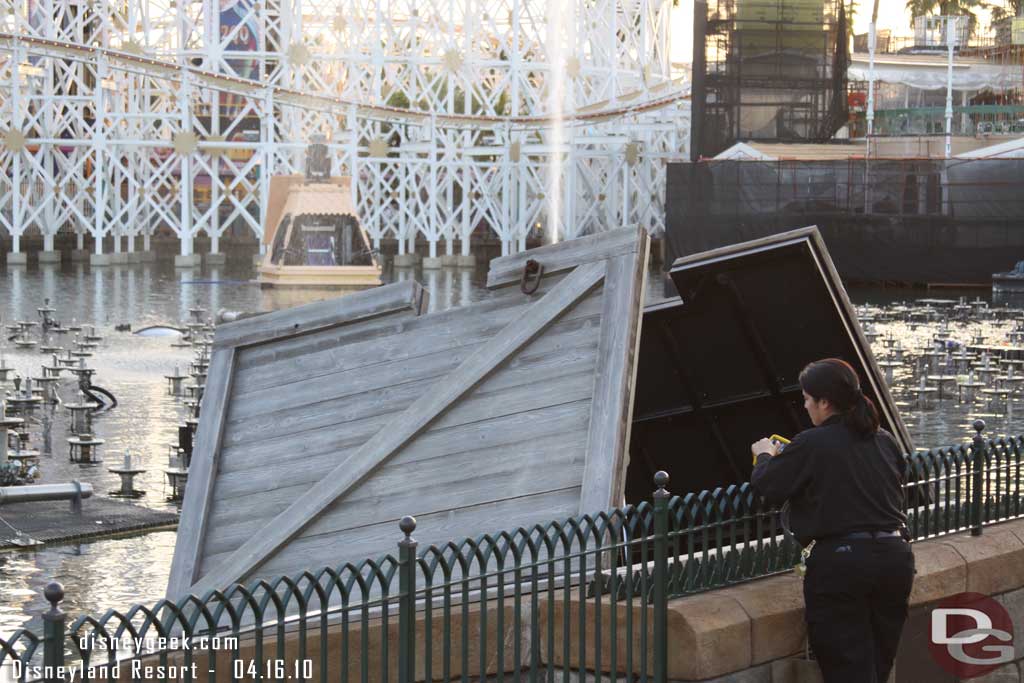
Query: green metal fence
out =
(970, 120)
(541, 603)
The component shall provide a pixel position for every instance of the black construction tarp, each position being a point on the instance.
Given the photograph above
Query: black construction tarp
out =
(912, 221)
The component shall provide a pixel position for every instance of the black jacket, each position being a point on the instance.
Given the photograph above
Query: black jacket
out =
(836, 481)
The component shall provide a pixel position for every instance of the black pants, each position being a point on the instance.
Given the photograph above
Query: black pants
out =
(856, 594)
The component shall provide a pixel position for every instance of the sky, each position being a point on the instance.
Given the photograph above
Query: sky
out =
(892, 14)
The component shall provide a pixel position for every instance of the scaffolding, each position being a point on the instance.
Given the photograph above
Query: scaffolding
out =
(775, 70)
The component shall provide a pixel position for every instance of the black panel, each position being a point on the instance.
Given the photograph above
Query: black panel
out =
(874, 232)
(718, 369)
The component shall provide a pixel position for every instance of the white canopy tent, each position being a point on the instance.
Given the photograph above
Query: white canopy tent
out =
(928, 72)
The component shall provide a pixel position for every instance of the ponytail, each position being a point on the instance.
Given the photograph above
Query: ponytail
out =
(862, 418)
(836, 381)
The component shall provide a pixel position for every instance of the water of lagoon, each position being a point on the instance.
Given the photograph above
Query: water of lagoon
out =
(117, 573)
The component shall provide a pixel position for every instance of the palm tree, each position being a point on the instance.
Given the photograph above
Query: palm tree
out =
(1011, 8)
(920, 8)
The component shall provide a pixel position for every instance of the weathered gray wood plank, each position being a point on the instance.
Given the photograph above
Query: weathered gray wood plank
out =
(330, 313)
(492, 435)
(428, 486)
(544, 382)
(612, 416)
(196, 509)
(377, 355)
(378, 328)
(383, 445)
(456, 523)
(289, 470)
(564, 255)
(373, 393)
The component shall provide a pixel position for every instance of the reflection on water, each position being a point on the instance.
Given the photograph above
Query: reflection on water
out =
(116, 573)
(120, 572)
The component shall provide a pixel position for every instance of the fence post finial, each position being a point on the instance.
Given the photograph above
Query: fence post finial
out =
(408, 525)
(978, 479)
(407, 601)
(661, 481)
(53, 633)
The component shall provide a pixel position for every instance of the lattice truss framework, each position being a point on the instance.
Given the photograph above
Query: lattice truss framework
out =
(114, 129)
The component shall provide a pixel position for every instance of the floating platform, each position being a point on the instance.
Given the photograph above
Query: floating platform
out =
(314, 239)
(51, 522)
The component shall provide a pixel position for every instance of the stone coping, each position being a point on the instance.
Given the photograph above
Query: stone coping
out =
(711, 634)
(742, 626)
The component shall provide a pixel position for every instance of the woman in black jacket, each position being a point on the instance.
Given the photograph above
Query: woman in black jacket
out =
(844, 481)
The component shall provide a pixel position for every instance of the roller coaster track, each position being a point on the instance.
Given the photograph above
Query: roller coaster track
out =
(600, 112)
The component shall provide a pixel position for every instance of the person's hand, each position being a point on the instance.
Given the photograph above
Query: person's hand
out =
(765, 445)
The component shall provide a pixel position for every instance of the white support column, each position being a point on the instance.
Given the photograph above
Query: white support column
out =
(214, 53)
(266, 151)
(99, 158)
(434, 220)
(132, 219)
(186, 258)
(17, 201)
(626, 218)
(46, 150)
(116, 205)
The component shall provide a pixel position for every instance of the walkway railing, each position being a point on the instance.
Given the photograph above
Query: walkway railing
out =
(539, 603)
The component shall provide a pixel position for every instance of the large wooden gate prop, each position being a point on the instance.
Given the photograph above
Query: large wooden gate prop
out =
(324, 424)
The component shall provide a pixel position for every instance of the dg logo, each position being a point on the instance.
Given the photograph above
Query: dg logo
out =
(970, 635)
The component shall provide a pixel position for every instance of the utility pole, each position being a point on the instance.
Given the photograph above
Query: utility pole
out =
(951, 22)
(872, 38)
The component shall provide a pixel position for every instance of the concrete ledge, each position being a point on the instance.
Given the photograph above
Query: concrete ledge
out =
(215, 259)
(17, 258)
(449, 261)
(995, 560)
(80, 255)
(188, 261)
(146, 256)
(776, 610)
(49, 257)
(118, 258)
(941, 572)
(405, 260)
(433, 262)
(467, 261)
(99, 259)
